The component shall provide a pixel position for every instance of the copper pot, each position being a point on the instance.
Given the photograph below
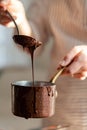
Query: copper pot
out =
(33, 101)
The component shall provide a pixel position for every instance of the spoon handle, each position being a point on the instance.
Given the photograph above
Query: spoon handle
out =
(13, 20)
(56, 75)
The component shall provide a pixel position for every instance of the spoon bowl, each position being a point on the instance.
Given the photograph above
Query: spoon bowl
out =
(26, 41)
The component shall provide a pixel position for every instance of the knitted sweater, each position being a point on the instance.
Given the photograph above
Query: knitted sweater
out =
(65, 21)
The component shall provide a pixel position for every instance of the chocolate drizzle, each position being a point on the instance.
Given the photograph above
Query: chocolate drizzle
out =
(31, 44)
(40, 100)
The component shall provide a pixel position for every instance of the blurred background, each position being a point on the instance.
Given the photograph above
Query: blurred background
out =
(16, 65)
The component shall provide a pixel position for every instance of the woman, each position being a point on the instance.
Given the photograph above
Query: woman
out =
(65, 22)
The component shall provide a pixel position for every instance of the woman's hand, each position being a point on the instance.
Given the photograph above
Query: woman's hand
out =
(15, 7)
(76, 62)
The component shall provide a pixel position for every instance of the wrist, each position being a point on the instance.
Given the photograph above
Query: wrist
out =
(24, 27)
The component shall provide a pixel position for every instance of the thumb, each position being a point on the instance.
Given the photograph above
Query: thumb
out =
(4, 2)
(70, 55)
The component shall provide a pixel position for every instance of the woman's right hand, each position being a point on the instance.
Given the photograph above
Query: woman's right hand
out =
(15, 7)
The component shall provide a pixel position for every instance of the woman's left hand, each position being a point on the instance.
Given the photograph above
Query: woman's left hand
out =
(76, 62)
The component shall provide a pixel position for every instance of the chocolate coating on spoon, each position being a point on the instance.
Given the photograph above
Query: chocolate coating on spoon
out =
(26, 41)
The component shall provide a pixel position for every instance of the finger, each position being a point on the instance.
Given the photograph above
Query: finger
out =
(4, 18)
(4, 1)
(79, 64)
(69, 57)
(77, 75)
(74, 68)
(84, 73)
(80, 76)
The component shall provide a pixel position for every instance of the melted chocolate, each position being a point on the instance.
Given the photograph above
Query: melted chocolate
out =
(37, 100)
(31, 44)
(26, 42)
(32, 100)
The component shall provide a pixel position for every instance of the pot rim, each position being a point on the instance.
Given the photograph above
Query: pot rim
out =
(25, 83)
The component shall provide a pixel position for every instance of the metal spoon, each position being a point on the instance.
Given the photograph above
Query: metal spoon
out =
(13, 21)
(25, 41)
